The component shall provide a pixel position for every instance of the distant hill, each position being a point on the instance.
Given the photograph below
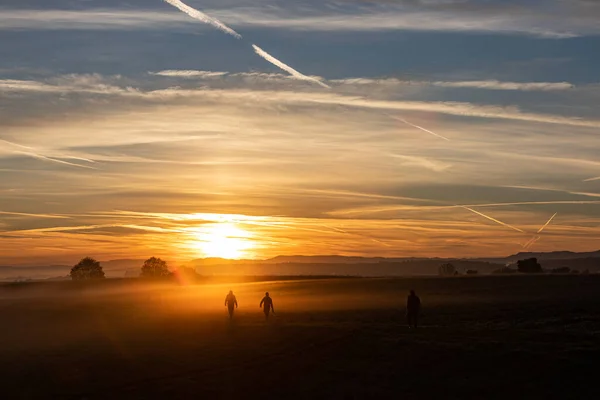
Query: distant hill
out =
(554, 255)
(321, 265)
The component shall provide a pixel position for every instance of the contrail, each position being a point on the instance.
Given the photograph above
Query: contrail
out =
(535, 238)
(531, 242)
(421, 128)
(547, 223)
(597, 178)
(33, 154)
(287, 68)
(199, 15)
(494, 219)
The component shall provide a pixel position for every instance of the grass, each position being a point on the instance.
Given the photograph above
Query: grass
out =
(481, 337)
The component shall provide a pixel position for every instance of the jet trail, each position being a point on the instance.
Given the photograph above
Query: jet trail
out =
(547, 223)
(597, 178)
(494, 219)
(421, 128)
(535, 238)
(287, 68)
(200, 16)
(33, 154)
(531, 242)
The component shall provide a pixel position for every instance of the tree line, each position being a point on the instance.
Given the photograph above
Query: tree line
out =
(153, 268)
(525, 266)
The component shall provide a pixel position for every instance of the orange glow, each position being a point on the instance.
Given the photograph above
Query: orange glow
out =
(222, 239)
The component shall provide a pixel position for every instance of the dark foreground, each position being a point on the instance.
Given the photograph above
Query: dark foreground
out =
(483, 337)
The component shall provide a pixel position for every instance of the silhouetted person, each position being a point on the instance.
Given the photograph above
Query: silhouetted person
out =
(231, 302)
(413, 306)
(267, 305)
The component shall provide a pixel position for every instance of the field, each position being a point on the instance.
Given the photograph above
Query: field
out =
(481, 337)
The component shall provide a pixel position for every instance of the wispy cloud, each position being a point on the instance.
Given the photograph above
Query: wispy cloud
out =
(474, 84)
(544, 22)
(287, 68)
(189, 74)
(200, 16)
(498, 85)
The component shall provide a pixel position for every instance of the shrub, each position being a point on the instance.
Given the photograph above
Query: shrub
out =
(155, 268)
(529, 266)
(86, 269)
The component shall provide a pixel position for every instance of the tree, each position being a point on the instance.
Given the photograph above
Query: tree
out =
(86, 269)
(447, 270)
(529, 266)
(155, 268)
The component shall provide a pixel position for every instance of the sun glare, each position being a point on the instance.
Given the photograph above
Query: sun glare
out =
(224, 240)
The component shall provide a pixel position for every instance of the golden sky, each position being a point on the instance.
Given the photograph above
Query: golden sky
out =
(138, 132)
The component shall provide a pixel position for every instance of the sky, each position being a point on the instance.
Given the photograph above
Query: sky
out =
(405, 128)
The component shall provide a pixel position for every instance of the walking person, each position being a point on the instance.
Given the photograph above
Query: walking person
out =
(267, 305)
(413, 306)
(231, 302)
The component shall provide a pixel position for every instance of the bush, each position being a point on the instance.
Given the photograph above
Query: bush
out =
(471, 272)
(529, 266)
(447, 270)
(87, 269)
(155, 268)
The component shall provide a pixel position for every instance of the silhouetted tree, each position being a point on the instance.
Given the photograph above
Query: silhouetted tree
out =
(561, 270)
(447, 270)
(471, 272)
(87, 268)
(529, 266)
(155, 268)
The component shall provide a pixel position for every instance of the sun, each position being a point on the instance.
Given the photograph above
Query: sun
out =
(223, 240)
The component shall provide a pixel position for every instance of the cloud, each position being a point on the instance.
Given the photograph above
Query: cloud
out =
(551, 20)
(93, 84)
(191, 74)
(497, 85)
(287, 68)
(207, 19)
(482, 84)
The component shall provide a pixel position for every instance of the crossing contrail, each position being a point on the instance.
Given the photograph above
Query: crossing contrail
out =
(537, 237)
(547, 223)
(421, 128)
(531, 242)
(287, 68)
(200, 16)
(494, 219)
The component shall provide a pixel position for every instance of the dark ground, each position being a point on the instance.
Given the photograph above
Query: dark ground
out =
(482, 337)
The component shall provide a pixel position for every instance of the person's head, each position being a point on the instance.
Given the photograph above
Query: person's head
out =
(267, 294)
(412, 293)
(231, 292)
